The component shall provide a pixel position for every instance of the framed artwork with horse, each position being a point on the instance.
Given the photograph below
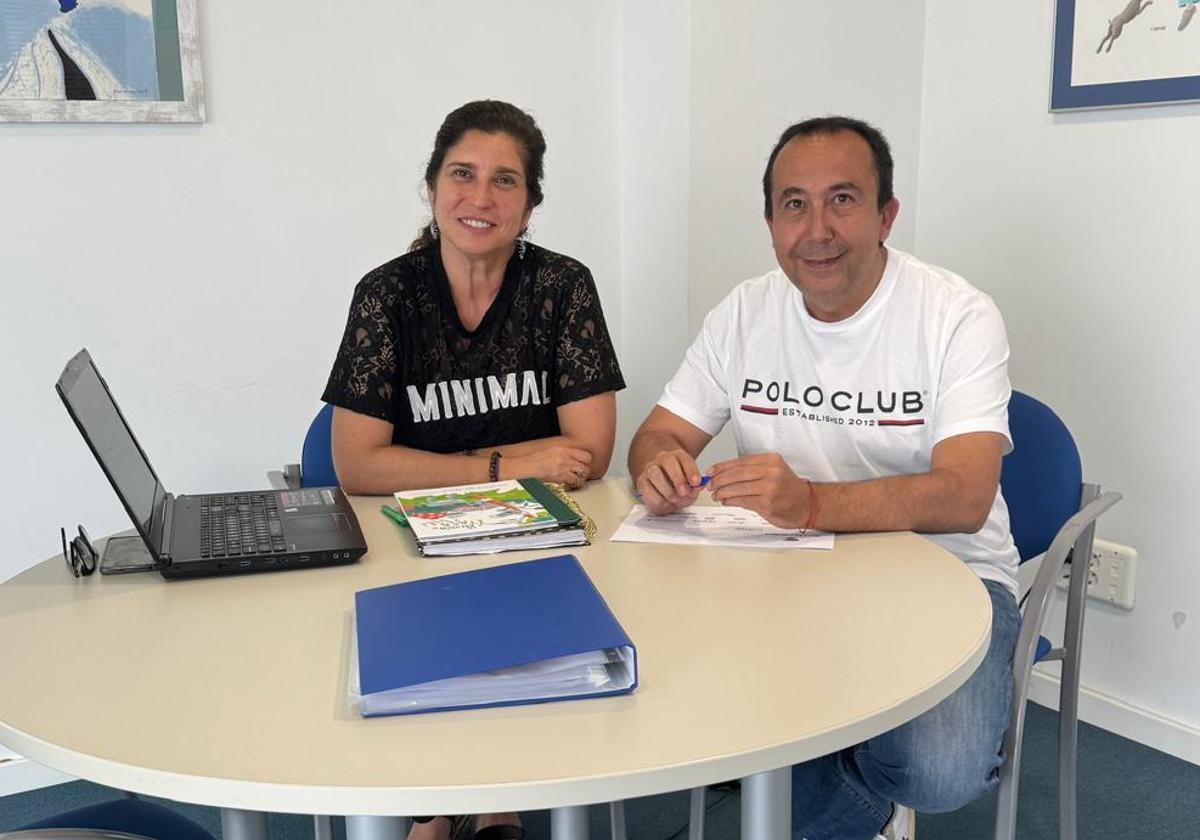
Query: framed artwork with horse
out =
(1116, 53)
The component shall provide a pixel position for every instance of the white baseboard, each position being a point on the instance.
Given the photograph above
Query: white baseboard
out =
(1147, 727)
(21, 774)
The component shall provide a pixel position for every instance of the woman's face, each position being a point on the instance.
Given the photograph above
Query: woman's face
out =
(479, 199)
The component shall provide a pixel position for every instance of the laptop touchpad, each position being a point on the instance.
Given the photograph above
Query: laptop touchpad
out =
(318, 523)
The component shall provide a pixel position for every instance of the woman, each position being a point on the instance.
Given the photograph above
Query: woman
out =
(477, 355)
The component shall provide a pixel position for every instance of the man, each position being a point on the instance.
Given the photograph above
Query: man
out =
(869, 392)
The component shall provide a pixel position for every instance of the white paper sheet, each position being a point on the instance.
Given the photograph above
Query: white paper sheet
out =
(710, 525)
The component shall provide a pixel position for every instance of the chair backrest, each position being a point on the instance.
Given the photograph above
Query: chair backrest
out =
(316, 458)
(1041, 478)
(127, 818)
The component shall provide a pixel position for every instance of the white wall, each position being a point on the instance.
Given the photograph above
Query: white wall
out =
(654, 92)
(659, 119)
(1082, 228)
(705, 90)
(176, 253)
(308, 174)
(760, 67)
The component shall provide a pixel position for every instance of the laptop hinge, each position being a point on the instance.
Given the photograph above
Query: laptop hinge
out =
(168, 524)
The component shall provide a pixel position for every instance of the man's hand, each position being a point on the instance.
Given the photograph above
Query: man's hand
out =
(669, 482)
(764, 484)
(662, 461)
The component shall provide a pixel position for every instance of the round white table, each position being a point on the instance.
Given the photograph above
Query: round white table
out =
(232, 691)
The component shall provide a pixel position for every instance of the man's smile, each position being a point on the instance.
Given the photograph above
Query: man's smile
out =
(822, 263)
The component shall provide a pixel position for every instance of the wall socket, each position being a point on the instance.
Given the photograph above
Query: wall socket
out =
(1111, 574)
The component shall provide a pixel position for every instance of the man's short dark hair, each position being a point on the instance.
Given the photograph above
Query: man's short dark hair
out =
(881, 154)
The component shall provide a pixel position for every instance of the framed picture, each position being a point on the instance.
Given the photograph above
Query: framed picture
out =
(119, 61)
(1113, 53)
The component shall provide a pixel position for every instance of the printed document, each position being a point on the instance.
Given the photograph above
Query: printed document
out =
(711, 525)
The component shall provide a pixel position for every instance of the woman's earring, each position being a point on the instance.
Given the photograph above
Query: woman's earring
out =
(433, 228)
(520, 247)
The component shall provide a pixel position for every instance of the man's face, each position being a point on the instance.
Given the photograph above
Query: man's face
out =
(826, 227)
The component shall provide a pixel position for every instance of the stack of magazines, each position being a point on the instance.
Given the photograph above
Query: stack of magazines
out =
(492, 517)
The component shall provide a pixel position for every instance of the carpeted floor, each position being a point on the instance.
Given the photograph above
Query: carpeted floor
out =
(1126, 790)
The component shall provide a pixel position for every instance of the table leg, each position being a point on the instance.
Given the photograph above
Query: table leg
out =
(376, 828)
(696, 813)
(767, 805)
(243, 825)
(570, 823)
(616, 819)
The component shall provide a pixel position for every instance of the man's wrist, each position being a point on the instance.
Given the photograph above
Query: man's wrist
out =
(814, 507)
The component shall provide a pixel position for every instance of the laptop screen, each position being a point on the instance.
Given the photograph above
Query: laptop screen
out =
(111, 441)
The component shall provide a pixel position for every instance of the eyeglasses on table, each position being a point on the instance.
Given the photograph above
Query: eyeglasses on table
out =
(79, 554)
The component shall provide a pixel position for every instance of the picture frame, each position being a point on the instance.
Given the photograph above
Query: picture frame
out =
(120, 61)
(1122, 53)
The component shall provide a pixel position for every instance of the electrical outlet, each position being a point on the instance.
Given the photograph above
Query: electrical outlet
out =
(1111, 574)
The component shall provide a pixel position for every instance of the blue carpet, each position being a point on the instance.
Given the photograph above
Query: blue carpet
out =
(1126, 790)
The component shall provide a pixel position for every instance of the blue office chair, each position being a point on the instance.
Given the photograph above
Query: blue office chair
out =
(316, 458)
(314, 470)
(1053, 514)
(130, 817)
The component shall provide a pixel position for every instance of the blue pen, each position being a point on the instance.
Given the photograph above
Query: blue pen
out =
(704, 479)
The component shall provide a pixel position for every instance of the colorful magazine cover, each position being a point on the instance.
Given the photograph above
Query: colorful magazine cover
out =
(473, 510)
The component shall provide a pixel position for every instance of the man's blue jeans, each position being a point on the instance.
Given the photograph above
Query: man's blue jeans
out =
(937, 762)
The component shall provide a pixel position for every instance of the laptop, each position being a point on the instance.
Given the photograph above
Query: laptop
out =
(216, 533)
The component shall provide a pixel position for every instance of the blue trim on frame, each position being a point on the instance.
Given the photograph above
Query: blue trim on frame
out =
(1065, 97)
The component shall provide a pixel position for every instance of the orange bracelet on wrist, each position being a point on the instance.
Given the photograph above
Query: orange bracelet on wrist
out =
(814, 507)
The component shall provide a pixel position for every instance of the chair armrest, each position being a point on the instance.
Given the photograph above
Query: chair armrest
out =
(1052, 563)
(286, 479)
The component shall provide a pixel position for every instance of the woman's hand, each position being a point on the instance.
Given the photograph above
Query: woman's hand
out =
(568, 465)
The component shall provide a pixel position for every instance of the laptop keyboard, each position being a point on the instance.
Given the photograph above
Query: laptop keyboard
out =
(240, 525)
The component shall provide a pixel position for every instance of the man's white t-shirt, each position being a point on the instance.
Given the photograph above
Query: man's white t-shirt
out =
(924, 359)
